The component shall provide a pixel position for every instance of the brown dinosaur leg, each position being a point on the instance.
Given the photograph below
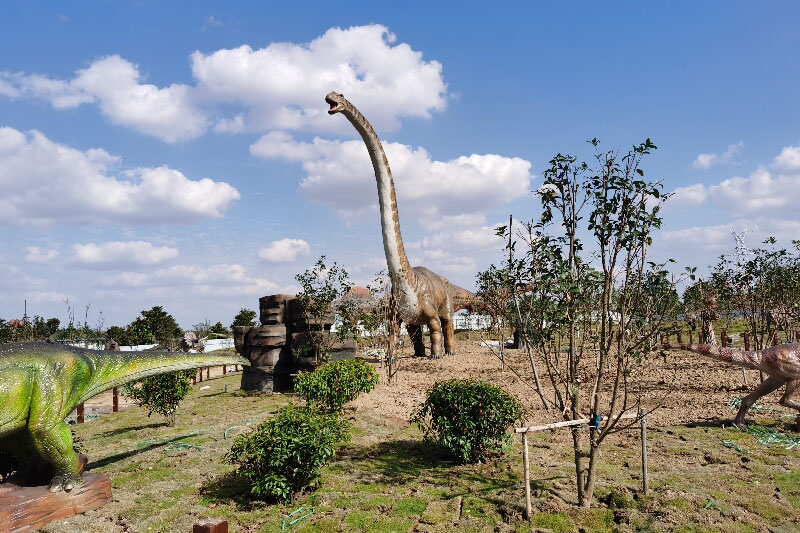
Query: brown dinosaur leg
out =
(435, 326)
(449, 337)
(415, 333)
(768, 385)
(791, 398)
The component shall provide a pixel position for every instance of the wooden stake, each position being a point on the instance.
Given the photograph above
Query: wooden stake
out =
(80, 413)
(526, 475)
(643, 418)
(115, 400)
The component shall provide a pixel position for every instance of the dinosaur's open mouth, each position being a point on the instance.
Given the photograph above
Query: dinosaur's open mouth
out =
(334, 106)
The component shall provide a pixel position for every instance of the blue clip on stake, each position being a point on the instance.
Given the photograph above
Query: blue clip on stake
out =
(596, 422)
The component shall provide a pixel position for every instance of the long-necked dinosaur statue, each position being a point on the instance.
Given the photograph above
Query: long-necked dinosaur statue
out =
(41, 383)
(781, 363)
(423, 297)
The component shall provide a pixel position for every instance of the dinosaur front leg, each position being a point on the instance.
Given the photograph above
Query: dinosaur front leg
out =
(768, 385)
(435, 325)
(448, 330)
(791, 398)
(54, 445)
(415, 333)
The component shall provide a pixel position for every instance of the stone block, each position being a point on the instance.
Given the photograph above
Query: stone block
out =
(239, 333)
(271, 357)
(271, 336)
(272, 316)
(210, 525)
(274, 301)
(266, 379)
(257, 379)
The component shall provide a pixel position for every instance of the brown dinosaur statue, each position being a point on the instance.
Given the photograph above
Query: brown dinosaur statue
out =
(781, 363)
(423, 297)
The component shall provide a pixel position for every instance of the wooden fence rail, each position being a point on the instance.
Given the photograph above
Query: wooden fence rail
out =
(526, 474)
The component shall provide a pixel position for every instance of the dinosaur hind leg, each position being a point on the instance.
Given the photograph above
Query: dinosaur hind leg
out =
(435, 325)
(415, 333)
(768, 385)
(449, 336)
(791, 398)
(54, 445)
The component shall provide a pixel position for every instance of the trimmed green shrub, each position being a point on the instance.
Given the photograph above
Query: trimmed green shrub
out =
(467, 417)
(161, 393)
(282, 455)
(334, 384)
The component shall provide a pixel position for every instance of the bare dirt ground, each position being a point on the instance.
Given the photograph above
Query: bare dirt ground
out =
(682, 388)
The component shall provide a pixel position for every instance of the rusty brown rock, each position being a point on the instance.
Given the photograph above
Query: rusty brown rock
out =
(28, 508)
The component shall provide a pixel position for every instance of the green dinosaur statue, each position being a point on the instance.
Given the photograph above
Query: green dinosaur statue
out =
(41, 383)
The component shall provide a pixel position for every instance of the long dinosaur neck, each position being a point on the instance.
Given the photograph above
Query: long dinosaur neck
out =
(747, 359)
(396, 259)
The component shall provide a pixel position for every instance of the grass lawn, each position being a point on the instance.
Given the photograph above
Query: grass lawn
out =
(386, 479)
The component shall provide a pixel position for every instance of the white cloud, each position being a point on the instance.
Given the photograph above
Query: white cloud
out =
(230, 125)
(760, 193)
(466, 220)
(340, 175)
(43, 181)
(47, 297)
(706, 161)
(220, 279)
(455, 250)
(788, 160)
(211, 22)
(283, 84)
(692, 195)
(113, 83)
(119, 253)
(280, 86)
(716, 239)
(709, 238)
(34, 254)
(285, 250)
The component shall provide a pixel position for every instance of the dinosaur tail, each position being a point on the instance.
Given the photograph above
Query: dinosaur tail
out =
(111, 369)
(745, 358)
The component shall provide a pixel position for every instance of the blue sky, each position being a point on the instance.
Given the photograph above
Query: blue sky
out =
(180, 154)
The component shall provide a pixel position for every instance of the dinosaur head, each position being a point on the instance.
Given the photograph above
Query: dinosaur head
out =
(337, 102)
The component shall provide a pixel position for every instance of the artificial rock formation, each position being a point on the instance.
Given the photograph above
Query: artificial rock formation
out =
(423, 298)
(277, 348)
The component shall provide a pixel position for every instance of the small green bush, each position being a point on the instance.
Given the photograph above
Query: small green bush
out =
(334, 384)
(282, 456)
(468, 417)
(161, 393)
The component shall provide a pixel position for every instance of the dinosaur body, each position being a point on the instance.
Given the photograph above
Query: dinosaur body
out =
(41, 383)
(781, 363)
(423, 297)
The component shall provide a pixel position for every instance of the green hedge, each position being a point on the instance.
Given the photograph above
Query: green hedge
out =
(334, 384)
(283, 455)
(469, 418)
